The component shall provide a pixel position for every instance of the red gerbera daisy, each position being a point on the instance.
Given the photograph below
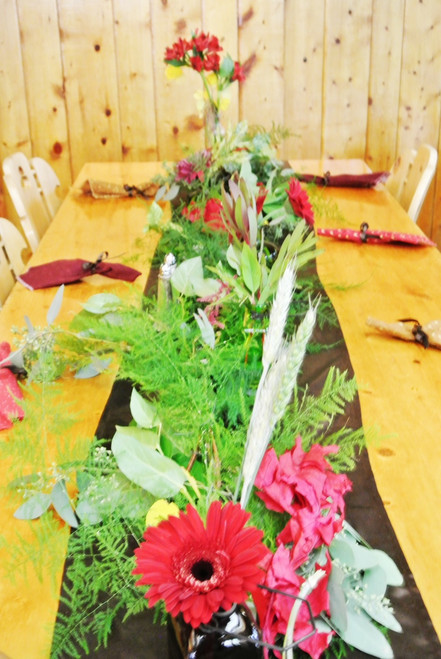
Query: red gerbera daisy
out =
(299, 201)
(199, 569)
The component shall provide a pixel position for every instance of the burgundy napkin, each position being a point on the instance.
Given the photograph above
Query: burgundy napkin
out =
(68, 271)
(9, 391)
(345, 180)
(366, 235)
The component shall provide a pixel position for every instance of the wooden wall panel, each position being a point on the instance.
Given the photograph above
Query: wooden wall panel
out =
(419, 111)
(346, 91)
(384, 83)
(43, 71)
(261, 46)
(303, 68)
(14, 122)
(136, 88)
(221, 19)
(82, 80)
(177, 119)
(90, 75)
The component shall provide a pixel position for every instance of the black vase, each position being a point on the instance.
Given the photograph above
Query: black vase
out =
(232, 634)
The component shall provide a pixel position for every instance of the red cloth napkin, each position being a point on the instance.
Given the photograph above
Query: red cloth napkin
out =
(9, 392)
(366, 235)
(345, 180)
(68, 271)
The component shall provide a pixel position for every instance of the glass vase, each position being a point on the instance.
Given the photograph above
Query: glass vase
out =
(213, 126)
(232, 634)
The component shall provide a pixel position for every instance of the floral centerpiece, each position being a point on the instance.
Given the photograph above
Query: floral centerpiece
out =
(238, 468)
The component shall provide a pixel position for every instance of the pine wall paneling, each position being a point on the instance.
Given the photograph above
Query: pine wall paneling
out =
(136, 84)
(83, 81)
(43, 75)
(303, 72)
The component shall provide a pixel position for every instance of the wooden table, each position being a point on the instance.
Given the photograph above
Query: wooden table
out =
(82, 228)
(399, 383)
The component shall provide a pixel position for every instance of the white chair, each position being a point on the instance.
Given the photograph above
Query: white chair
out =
(7, 279)
(48, 182)
(32, 192)
(12, 244)
(411, 176)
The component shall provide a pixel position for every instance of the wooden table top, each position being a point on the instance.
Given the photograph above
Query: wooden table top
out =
(399, 383)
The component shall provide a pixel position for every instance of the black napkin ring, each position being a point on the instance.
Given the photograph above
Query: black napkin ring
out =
(419, 334)
(92, 266)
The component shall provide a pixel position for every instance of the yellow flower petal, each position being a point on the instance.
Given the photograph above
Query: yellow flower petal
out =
(211, 78)
(224, 103)
(173, 72)
(159, 511)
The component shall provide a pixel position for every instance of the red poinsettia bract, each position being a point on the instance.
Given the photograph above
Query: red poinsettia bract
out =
(299, 201)
(199, 569)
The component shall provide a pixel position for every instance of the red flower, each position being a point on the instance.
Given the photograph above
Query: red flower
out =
(197, 570)
(238, 73)
(304, 485)
(9, 392)
(192, 212)
(300, 202)
(274, 608)
(177, 50)
(213, 216)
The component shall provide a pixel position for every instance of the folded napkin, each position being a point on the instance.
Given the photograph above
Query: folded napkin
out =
(106, 190)
(9, 390)
(410, 329)
(68, 271)
(345, 180)
(366, 235)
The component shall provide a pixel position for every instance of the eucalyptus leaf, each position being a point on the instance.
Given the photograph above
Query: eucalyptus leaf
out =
(172, 192)
(188, 279)
(153, 472)
(381, 614)
(93, 369)
(102, 303)
(337, 599)
(143, 412)
(34, 507)
(62, 504)
(362, 634)
(29, 325)
(393, 575)
(55, 307)
(342, 550)
(154, 214)
(142, 435)
(375, 581)
(185, 273)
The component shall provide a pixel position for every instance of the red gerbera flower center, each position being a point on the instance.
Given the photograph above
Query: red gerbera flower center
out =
(201, 571)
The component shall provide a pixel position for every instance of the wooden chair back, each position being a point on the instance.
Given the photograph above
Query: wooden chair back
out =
(411, 177)
(12, 244)
(27, 197)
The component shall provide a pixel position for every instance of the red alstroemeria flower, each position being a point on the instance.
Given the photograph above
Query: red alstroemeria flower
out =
(274, 609)
(192, 212)
(305, 486)
(178, 50)
(238, 73)
(197, 569)
(299, 201)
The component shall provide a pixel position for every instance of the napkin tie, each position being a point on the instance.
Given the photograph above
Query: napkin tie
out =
(69, 271)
